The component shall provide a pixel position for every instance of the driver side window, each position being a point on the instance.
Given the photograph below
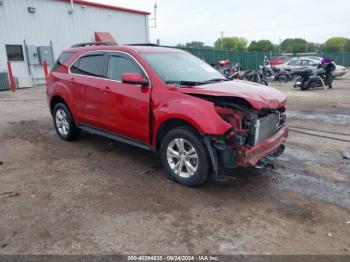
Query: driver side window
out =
(118, 65)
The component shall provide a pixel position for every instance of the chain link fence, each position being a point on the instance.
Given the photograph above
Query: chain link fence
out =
(252, 60)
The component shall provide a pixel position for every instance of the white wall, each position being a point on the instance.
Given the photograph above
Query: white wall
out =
(52, 21)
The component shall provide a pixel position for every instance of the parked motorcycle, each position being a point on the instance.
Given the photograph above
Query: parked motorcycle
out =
(275, 74)
(255, 76)
(322, 77)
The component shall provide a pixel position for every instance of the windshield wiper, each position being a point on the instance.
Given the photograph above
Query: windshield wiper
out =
(214, 80)
(183, 82)
(195, 83)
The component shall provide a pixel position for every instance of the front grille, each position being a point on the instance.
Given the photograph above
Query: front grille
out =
(265, 127)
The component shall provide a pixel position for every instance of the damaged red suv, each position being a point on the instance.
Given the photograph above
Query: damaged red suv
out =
(167, 101)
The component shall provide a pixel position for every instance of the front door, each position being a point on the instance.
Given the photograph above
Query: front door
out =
(128, 105)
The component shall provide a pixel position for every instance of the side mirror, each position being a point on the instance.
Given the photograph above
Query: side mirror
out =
(134, 79)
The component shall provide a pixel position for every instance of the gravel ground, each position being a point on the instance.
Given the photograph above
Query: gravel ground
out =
(96, 196)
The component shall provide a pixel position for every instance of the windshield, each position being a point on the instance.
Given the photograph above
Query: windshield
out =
(182, 68)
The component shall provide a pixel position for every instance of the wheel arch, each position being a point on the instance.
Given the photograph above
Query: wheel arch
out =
(55, 100)
(169, 124)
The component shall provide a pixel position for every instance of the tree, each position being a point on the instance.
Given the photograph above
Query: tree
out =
(294, 45)
(335, 44)
(347, 46)
(313, 47)
(261, 46)
(231, 43)
(193, 44)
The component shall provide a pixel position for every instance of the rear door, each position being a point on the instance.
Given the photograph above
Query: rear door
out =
(86, 74)
(127, 105)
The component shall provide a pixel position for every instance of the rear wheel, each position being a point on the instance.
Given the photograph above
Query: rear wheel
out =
(64, 123)
(185, 157)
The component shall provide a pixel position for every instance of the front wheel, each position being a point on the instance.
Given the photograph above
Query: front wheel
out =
(185, 157)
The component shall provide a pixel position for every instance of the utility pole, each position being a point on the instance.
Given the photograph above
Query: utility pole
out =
(222, 39)
(154, 18)
(279, 47)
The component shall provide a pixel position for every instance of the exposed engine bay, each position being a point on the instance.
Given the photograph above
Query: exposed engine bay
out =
(250, 129)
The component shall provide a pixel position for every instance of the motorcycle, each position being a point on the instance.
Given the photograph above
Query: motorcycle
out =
(255, 76)
(275, 74)
(281, 75)
(322, 77)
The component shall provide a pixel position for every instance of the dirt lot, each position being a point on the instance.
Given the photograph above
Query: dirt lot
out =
(96, 196)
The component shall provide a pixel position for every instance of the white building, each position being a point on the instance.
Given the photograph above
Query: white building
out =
(32, 31)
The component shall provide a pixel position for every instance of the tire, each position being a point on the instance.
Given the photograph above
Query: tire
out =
(176, 161)
(283, 78)
(64, 123)
(264, 82)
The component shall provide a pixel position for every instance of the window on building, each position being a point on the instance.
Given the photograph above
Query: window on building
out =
(14, 53)
(91, 65)
(118, 65)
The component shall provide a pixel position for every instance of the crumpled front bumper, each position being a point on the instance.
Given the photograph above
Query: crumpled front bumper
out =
(250, 156)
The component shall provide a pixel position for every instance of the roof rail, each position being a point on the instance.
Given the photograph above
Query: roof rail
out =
(143, 44)
(94, 44)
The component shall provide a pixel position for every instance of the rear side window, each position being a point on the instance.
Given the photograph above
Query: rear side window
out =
(294, 63)
(90, 65)
(118, 65)
(62, 59)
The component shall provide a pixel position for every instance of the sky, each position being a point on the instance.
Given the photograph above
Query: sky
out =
(184, 21)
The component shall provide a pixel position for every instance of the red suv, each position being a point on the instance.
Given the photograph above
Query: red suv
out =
(170, 102)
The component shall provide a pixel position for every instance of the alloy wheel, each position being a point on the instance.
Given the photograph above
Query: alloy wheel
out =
(182, 157)
(62, 123)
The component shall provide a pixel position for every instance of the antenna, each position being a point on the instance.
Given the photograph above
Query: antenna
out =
(154, 18)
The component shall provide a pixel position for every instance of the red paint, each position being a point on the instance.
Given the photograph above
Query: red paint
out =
(104, 37)
(117, 8)
(258, 96)
(134, 78)
(137, 112)
(279, 60)
(12, 81)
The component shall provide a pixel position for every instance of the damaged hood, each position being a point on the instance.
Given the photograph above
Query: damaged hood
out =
(259, 96)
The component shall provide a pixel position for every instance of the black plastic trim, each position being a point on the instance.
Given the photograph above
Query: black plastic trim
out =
(115, 137)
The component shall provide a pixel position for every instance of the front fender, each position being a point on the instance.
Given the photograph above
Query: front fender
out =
(199, 113)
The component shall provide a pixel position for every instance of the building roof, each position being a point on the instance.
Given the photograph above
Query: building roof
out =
(112, 7)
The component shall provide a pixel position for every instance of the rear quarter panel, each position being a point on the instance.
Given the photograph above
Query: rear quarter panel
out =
(58, 85)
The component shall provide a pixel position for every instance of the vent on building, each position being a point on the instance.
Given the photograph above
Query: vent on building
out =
(4, 81)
